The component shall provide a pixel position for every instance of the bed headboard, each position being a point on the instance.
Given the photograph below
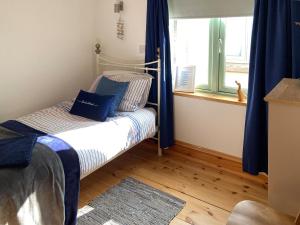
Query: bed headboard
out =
(103, 60)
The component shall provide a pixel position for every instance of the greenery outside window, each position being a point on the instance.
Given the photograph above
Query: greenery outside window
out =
(218, 47)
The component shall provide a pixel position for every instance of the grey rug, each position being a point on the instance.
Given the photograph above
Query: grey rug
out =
(131, 203)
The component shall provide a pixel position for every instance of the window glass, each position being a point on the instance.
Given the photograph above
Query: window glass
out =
(190, 47)
(237, 40)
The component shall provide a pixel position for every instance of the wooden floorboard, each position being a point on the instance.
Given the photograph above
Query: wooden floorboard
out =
(211, 187)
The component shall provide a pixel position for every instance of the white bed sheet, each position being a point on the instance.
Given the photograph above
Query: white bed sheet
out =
(96, 143)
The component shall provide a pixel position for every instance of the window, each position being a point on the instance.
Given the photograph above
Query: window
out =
(218, 47)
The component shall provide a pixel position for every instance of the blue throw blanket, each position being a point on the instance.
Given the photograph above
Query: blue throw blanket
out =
(15, 149)
(69, 159)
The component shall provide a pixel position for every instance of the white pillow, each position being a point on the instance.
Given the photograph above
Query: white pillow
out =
(137, 94)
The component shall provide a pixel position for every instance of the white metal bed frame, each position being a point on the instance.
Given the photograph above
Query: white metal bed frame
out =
(104, 60)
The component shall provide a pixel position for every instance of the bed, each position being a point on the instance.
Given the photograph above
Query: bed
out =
(78, 145)
(96, 143)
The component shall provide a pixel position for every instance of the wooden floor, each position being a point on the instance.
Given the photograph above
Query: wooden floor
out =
(210, 185)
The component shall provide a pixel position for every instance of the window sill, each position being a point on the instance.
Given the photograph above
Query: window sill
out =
(212, 97)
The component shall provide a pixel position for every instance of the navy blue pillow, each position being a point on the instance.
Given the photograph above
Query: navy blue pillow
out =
(110, 87)
(92, 106)
(16, 151)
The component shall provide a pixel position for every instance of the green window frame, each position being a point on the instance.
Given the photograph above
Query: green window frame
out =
(216, 76)
(217, 72)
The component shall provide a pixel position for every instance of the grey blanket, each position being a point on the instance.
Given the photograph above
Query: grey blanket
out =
(34, 195)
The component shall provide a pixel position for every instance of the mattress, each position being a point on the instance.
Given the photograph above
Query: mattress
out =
(96, 143)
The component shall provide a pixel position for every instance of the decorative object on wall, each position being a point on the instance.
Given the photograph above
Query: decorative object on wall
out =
(120, 29)
(185, 79)
(240, 93)
(119, 8)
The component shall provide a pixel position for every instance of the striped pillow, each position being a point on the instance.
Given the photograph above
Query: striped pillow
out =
(135, 96)
(133, 99)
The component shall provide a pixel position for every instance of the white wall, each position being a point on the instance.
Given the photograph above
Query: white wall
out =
(46, 52)
(209, 124)
(134, 16)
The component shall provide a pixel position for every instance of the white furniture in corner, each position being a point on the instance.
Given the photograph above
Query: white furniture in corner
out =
(284, 146)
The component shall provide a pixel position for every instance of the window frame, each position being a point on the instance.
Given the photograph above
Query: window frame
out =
(222, 60)
(216, 68)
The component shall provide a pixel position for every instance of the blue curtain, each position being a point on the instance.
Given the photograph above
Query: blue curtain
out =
(271, 60)
(157, 36)
(296, 36)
